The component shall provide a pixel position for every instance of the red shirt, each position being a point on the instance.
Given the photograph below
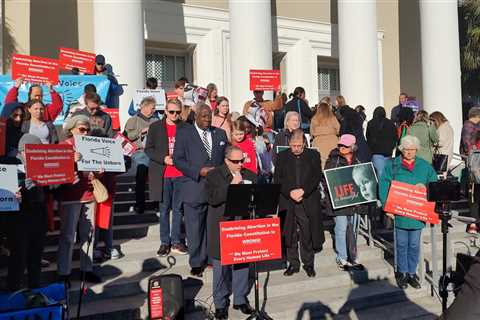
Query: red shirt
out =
(213, 104)
(249, 153)
(171, 171)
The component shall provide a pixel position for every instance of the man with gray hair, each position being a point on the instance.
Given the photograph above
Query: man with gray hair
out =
(136, 130)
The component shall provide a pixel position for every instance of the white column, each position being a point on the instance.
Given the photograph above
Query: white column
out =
(250, 46)
(119, 36)
(441, 75)
(358, 53)
(302, 70)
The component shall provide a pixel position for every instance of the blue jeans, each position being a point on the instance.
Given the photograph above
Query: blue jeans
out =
(407, 249)
(171, 201)
(379, 161)
(340, 230)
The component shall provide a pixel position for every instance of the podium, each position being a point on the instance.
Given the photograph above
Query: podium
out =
(252, 201)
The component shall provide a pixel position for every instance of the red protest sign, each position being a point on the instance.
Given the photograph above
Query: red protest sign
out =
(113, 112)
(71, 58)
(48, 164)
(246, 241)
(265, 80)
(3, 136)
(127, 146)
(35, 69)
(172, 95)
(410, 201)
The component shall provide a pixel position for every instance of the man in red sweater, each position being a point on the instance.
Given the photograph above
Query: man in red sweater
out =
(52, 110)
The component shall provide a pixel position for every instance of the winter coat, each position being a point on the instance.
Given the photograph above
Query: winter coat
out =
(325, 136)
(381, 136)
(428, 137)
(352, 123)
(134, 127)
(310, 176)
(423, 173)
(445, 140)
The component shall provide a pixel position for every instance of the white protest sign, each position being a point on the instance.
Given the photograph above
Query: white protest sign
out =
(158, 94)
(99, 154)
(8, 188)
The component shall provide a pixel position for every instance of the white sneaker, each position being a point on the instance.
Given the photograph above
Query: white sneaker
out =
(343, 264)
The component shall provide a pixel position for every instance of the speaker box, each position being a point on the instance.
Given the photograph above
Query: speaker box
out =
(165, 297)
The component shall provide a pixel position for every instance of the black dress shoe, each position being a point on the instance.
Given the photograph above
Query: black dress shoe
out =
(92, 277)
(414, 281)
(221, 314)
(245, 308)
(310, 272)
(197, 272)
(291, 270)
(402, 280)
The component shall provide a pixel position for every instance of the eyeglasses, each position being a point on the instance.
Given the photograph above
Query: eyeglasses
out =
(83, 130)
(343, 146)
(236, 161)
(175, 112)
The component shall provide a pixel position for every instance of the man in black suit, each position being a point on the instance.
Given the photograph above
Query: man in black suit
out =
(232, 277)
(198, 149)
(299, 172)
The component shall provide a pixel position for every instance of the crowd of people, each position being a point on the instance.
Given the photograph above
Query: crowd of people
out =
(195, 148)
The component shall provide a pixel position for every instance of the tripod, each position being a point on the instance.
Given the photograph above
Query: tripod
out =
(445, 215)
(257, 314)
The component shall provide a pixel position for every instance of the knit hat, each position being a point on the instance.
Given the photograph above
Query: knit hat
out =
(28, 139)
(72, 122)
(100, 59)
(347, 140)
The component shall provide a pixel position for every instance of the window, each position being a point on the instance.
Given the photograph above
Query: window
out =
(166, 68)
(328, 82)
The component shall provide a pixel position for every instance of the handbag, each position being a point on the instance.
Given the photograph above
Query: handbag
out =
(439, 161)
(99, 191)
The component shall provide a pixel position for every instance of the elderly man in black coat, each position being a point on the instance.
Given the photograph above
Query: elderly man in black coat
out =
(299, 172)
(226, 278)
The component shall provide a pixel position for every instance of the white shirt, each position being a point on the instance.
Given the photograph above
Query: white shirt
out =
(209, 135)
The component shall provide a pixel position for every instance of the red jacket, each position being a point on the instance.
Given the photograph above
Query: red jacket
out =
(249, 153)
(52, 110)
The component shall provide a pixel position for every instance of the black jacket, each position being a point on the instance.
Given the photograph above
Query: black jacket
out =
(309, 179)
(352, 123)
(216, 185)
(305, 112)
(381, 136)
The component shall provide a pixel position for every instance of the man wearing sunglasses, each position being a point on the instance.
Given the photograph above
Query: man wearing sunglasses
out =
(164, 177)
(233, 277)
(198, 149)
(299, 171)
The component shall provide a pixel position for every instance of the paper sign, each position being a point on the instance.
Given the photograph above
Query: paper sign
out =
(48, 164)
(3, 136)
(99, 153)
(265, 80)
(128, 147)
(246, 241)
(158, 94)
(35, 69)
(172, 95)
(113, 113)
(71, 58)
(410, 201)
(8, 188)
(351, 185)
(155, 299)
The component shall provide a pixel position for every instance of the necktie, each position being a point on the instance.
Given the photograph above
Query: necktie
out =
(206, 144)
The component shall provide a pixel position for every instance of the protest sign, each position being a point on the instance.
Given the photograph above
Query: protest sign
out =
(127, 146)
(48, 164)
(351, 185)
(410, 201)
(70, 88)
(35, 69)
(157, 94)
(113, 112)
(3, 136)
(99, 154)
(71, 58)
(245, 241)
(265, 80)
(8, 187)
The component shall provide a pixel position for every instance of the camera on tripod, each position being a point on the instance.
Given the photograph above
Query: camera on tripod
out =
(445, 190)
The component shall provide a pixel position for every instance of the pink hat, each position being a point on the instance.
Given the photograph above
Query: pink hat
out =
(347, 140)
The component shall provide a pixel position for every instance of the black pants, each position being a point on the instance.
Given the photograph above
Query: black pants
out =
(304, 236)
(27, 231)
(140, 180)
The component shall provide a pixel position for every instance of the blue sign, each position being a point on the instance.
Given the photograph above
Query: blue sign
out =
(70, 88)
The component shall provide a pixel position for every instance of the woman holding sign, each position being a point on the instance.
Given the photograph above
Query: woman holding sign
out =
(411, 169)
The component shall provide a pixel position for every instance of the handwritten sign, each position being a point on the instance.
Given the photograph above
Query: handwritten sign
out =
(157, 94)
(35, 69)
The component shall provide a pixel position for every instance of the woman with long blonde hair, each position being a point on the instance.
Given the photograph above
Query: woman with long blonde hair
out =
(324, 130)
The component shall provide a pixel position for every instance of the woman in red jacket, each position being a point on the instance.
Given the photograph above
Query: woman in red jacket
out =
(246, 144)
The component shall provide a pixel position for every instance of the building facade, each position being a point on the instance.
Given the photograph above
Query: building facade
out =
(367, 50)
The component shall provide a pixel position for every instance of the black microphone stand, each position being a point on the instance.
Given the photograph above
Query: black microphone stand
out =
(445, 216)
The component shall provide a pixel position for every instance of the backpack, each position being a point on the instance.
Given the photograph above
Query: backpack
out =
(473, 165)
